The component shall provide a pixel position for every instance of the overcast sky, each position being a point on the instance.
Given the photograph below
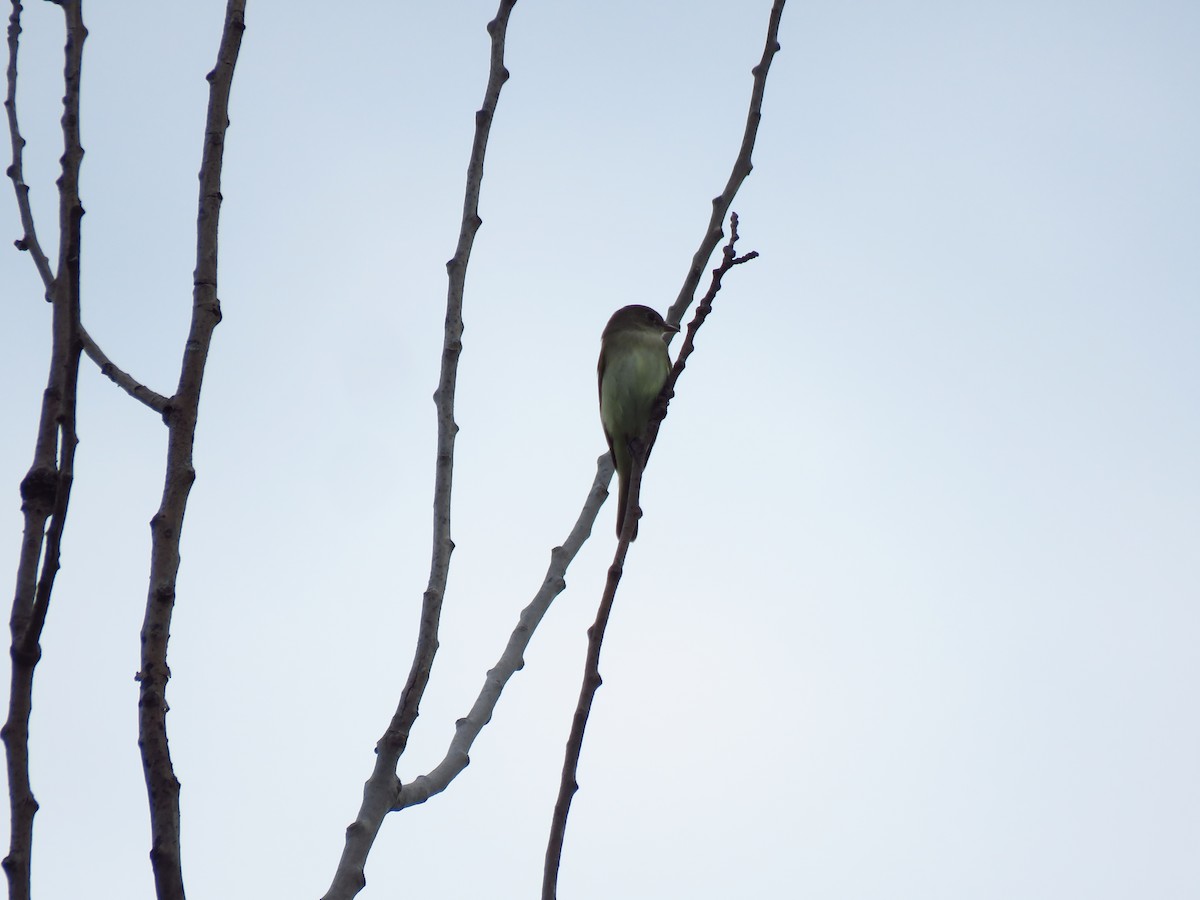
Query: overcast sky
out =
(913, 612)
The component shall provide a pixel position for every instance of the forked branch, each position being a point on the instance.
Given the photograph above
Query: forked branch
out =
(382, 791)
(721, 203)
(512, 659)
(29, 239)
(46, 489)
(568, 784)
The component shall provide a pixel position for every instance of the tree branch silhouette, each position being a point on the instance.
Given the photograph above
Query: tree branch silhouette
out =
(28, 240)
(383, 788)
(569, 784)
(721, 203)
(120, 377)
(46, 488)
(166, 527)
(742, 167)
(511, 661)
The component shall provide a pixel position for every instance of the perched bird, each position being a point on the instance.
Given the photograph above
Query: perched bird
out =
(633, 368)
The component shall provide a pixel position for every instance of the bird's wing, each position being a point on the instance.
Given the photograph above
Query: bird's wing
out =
(600, 391)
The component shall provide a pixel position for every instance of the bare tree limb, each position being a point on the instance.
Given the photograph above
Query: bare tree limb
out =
(728, 260)
(512, 659)
(46, 489)
(180, 414)
(741, 169)
(382, 790)
(121, 378)
(568, 784)
(28, 241)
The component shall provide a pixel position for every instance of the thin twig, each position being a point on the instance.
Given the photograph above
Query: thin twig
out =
(382, 790)
(511, 661)
(568, 783)
(741, 168)
(120, 377)
(728, 260)
(46, 489)
(721, 204)
(180, 415)
(28, 241)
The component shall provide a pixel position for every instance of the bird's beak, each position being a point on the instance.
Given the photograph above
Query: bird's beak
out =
(672, 329)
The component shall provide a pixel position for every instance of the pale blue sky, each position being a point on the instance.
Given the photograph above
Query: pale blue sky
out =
(914, 609)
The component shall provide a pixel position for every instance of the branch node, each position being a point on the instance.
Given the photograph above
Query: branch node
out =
(39, 487)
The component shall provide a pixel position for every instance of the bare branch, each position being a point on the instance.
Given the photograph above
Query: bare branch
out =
(741, 169)
(28, 241)
(513, 658)
(180, 415)
(46, 489)
(729, 259)
(382, 790)
(568, 783)
(120, 377)
(591, 681)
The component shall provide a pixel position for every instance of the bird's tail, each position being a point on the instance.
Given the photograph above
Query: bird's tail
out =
(623, 503)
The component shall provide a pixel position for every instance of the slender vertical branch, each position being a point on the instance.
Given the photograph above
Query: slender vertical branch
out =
(180, 415)
(568, 783)
(382, 790)
(70, 213)
(28, 241)
(741, 168)
(46, 488)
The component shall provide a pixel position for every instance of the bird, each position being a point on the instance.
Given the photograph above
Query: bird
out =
(634, 365)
